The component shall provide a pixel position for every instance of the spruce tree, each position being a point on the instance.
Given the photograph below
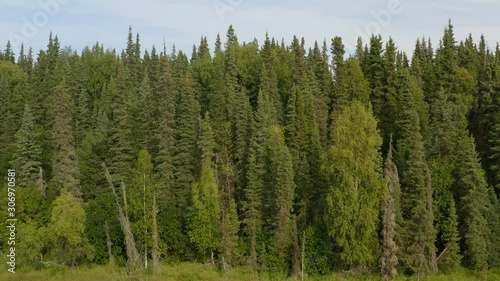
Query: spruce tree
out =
(6, 119)
(281, 190)
(121, 133)
(321, 86)
(350, 85)
(27, 154)
(446, 219)
(374, 73)
(418, 229)
(169, 217)
(390, 214)
(204, 230)
(187, 114)
(146, 123)
(253, 201)
(493, 219)
(65, 161)
(471, 188)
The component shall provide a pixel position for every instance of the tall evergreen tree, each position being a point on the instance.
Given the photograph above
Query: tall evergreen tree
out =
(169, 216)
(390, 214)
(186, 133)
(28, 152)
(121, 133)
(472, 190)
(418, 229)
(281, 190)
(205, 210)
(65, 161)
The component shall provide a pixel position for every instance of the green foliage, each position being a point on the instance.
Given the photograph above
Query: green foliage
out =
(390, 212)
(472, 189)
(186, 122)
(353, 165)
(419, 252)
(27, 154)
(252, 183)
(67, 226)
(204, 220)
(140, 202)
(65, 161)
(350, 85)
(280, 194)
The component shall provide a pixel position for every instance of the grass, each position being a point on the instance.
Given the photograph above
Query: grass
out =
(199, 272)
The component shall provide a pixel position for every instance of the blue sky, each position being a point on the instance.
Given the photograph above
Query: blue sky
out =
(79, 23)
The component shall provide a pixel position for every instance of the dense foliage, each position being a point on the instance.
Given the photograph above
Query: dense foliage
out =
(265, 155)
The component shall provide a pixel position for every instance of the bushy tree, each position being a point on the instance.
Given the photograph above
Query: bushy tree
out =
(353, 165)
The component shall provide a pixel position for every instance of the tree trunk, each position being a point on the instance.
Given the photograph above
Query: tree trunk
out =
(303, 255)
(155, 252)
(109, 244)
(295, 254)
(145, 222)
(133, 257)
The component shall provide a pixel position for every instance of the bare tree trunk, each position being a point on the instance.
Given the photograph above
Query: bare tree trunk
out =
(432, 252)
(133, 258)
(109, 244)
(295, 254)
(124, 193)
(41, 184)
(155, 252)
(253, 245)
(303, 255)
(145, 223)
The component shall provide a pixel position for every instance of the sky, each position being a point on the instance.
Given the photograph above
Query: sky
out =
(80, 23)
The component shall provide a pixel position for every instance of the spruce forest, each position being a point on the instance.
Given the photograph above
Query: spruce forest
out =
(267, 156)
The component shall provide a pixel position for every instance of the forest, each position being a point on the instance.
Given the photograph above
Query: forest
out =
(267, 156)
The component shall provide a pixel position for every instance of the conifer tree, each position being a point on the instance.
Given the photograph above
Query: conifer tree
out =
(493, 219)
(186, 133)
(390, 214)
(338, 52)
(252, 203)
(121, 132)
(390, 91)
(281, 190)
(471, 188)
(65, 161)
(204, 230)
(146, 121)
(446, 219)
(321, 86)
(28, 152)
(269, 78)
(350, 85)
(374, 73)
(6, 119)
(9, 54)
(419, 234)
(169, 217)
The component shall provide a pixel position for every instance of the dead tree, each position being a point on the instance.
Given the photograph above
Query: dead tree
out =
(155, 252)
(109, 244)
(133, 257)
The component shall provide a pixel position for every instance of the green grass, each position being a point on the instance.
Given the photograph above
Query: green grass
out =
(199, 272)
